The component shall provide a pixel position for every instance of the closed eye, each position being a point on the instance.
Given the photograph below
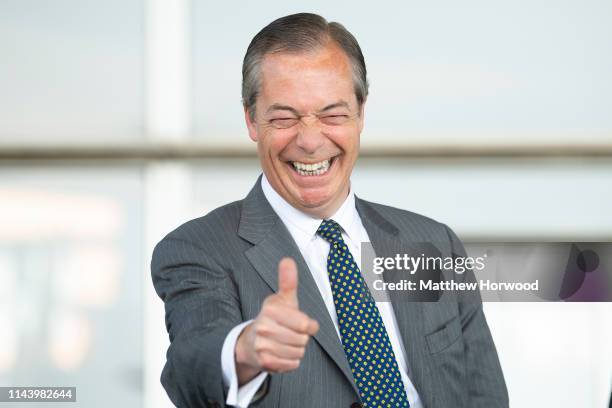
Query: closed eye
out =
(334, 120)
(284, 123)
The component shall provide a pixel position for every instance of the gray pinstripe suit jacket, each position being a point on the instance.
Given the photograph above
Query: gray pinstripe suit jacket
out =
(215, 271)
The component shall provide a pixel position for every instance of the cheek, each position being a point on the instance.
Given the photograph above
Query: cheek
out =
(267, 147)
(346, 139)
(277, 142)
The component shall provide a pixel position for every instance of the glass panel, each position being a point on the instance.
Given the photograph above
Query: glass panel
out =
(483, 198)
(70, 281)
(230, 179)
(528, 72)
(72, 71)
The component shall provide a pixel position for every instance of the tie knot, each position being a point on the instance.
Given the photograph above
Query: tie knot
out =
(330, 231)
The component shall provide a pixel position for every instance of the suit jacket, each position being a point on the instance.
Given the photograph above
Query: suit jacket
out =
(214, 272)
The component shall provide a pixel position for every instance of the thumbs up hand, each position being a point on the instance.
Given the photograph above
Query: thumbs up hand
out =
(276, 340)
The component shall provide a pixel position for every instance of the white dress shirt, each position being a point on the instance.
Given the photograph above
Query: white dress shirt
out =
(314, 249)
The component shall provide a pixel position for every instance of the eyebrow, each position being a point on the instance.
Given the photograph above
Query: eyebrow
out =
(280, 107)
(339, 104)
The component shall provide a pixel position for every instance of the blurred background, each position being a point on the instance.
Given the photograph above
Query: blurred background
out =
(121, 119)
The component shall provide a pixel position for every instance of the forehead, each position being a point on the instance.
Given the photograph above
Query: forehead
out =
(329, 56)
(308, 77)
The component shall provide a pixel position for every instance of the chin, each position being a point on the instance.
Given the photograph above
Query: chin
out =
(315, 199)
(313, 204)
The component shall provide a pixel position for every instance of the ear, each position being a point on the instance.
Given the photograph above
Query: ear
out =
(251, 126)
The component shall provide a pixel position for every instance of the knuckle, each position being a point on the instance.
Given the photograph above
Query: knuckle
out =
(264, 361)
(259, 345)
(260, 330)
(270, 309)
(265, 307)
(264, 329)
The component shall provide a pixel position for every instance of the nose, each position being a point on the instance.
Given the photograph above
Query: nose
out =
(310, 136)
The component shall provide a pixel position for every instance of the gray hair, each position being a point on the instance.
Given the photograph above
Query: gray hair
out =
(298, 33)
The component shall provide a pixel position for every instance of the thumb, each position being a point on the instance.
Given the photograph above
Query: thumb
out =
(288, 281)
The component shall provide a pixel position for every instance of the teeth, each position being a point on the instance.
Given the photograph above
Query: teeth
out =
(311, 169)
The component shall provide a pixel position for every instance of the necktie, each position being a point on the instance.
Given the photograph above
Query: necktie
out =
(364, 337)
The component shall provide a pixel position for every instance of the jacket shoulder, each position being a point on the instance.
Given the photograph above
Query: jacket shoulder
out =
(411, 224)
(218, 225)
(413, 227)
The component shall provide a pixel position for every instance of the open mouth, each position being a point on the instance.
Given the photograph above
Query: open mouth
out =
(312, 169)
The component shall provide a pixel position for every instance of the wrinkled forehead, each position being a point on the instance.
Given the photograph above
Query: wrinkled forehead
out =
(309, 78)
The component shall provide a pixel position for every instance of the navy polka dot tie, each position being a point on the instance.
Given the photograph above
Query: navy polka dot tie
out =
(364, 337)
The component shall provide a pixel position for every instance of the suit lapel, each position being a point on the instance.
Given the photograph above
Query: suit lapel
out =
(260, 225)
(385, 239)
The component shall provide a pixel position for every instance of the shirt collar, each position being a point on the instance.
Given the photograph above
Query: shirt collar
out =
(303, 227)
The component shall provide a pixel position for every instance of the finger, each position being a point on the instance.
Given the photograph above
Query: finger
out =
(313, 327)
(269, 328)
(271, 363)
(293, 319)
(288, 281)
(268, 345)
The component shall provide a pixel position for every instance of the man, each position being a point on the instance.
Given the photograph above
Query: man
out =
(265, 301)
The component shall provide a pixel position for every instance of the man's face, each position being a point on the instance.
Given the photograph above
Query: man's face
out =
(307, 127)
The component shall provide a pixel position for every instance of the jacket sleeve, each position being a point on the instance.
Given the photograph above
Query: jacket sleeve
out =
(202, 306)
(486, 385)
